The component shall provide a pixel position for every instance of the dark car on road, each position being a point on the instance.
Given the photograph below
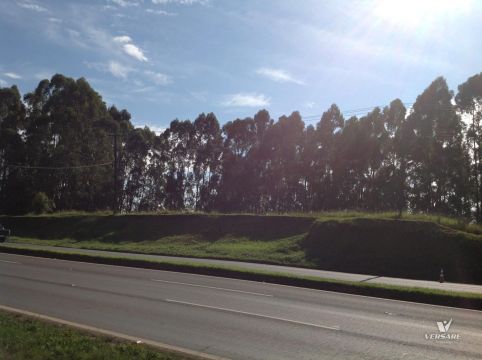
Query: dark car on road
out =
(4, 233)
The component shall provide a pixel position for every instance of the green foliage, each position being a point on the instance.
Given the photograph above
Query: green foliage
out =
(469, 101)
(22, 338)
(60, 140)
(41, 204)
(409, 249)
(378, 244)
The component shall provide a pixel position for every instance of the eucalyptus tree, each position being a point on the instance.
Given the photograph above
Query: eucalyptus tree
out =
(238, 183)
(67, 129)
(469, 101)
(207, 145)
(283, 176)
(438, 176)
(328, 130)
(179, 177)
(13, 197)
(135, 185)
(401, 136)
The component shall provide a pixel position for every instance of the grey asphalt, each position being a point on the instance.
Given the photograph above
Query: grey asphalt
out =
(274, 268)
(234, 318)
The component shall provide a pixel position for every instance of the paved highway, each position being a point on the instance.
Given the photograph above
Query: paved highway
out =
(274, 268)
(234, 318)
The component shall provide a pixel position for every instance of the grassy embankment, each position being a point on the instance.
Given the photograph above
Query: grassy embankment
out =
(22, 338)
(264, 239)
(378, 244)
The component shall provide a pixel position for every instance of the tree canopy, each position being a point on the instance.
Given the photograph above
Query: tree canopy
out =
(58, 141)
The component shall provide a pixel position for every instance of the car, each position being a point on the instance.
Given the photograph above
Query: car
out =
(4, 233)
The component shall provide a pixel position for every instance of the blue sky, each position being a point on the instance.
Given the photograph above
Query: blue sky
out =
(166, 59)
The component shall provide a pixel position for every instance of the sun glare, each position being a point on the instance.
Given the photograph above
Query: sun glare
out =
(413, 14)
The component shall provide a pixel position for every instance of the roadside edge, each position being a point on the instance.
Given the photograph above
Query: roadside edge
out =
(414, 294)
(112, 334)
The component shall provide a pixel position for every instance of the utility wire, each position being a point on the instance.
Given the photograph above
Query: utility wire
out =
(57, 167)
(354, 112)
(364, 111)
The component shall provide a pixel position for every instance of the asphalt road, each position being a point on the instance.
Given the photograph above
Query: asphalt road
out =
(274, 268)
(234, 318)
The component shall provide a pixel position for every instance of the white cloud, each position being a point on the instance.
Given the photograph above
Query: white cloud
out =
(245, 99)
(125, 3)
(3, 82)
(12, 75)
(159, 78)
(123, 39)
(181, 2)
(31, 6)
(134, 51)
(129, 48)
(139, 79)
(118, 70)
(160, 12)
(278, 75)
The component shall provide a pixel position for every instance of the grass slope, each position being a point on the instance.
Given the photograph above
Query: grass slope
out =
(416, 247)
(23, 338)
(274, 239)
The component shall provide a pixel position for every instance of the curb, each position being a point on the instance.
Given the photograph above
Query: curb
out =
(411, 294)
(112, 334)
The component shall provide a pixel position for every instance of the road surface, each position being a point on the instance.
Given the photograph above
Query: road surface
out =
(234, 318)
(274, 268)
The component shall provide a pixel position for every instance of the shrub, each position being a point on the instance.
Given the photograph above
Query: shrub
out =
(41, 203)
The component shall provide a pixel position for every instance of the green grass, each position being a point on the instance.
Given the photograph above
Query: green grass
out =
(285, 251)
(416, 246)
(24, 338)
(461, 224)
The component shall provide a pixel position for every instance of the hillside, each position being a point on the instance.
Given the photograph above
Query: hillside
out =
(381, 246)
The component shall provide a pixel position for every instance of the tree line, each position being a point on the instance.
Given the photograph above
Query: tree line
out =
(58, 141)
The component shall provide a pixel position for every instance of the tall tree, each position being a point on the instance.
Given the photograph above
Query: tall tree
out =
(284, 140)
(237, 182)
(13, 197)
(328, 130)
(469, 101)
(135, 185)
(179, 180)
(207, 145)
(67, 129)
(401, 136)
(439, 173)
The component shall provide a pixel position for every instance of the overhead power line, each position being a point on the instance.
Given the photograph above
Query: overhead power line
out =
(21, 166)
(356, 111)
(352, 112)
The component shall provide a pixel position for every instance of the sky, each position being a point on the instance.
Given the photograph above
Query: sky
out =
(168, 59)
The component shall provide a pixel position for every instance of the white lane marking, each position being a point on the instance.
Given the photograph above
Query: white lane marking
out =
(336, 328)
(10, 262)
(300, 288)
(212, 287)
(109, 333)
